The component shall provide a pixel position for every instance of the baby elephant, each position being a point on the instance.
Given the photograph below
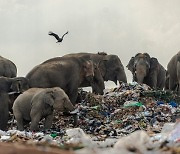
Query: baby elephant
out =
(38, 103)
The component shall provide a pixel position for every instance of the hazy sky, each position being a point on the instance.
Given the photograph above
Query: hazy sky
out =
(121, 27)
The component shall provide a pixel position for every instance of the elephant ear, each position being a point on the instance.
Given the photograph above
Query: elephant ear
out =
(130, 65)
(138, 54)
(102, 67)
(88, 68)
(102, 63)
(154, 63)
(49, 98)
(147, 55)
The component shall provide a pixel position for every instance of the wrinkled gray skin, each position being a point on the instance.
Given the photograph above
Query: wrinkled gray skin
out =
(7, 68)
(97, 83)
(173, 69)
(67, 73)
(17, 85)
(37, 103)
(110, 67)
(147, 70)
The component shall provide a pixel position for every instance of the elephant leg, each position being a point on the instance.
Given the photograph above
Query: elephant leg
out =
(178, 76)
(4, 119)
(154, 83)
(19, 120)
(152, 80)
(48, 121)
(172, 83)
(35, 118)
(72, 94)
(4, 110)
(161, 84)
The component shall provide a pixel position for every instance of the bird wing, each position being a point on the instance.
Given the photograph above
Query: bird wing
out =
(53, 34)
(64, 34)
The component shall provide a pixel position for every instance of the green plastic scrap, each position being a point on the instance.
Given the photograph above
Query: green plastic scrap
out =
(53, 135)
(132, 104)
(118, 121)
(95, 107)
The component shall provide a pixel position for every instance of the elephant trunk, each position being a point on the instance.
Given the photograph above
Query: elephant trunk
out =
(98, 85)
(69, 106)
(90, 78)
(140, 73)
(121, 77)
(140, 78)
(98, 88)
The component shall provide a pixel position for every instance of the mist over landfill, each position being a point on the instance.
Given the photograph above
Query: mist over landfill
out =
(117, 27)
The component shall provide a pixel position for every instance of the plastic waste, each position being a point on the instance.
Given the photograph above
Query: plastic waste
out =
(118, 113)
(173, 104)
(132, 103)
(75, 111)
(48, 139)
(77, 136)
(2, 133)
(5, 138)
(38, 134)
(175, 133)
(95, 107)
(167, 128)
(137, 141)
(53, 135)
(160, 102)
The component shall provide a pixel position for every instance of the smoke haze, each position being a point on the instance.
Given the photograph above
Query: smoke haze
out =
(121, 27)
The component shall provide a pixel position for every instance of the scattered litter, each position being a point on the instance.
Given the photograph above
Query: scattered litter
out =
(113, 120)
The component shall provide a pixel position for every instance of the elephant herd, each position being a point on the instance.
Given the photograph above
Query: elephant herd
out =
(53, 84)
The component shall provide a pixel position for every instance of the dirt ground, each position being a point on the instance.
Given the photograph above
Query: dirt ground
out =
(15, 148)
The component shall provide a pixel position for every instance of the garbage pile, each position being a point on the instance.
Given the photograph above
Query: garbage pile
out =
(102, 120)
(123, 110)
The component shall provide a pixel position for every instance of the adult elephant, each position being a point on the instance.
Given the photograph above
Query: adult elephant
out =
(97, 83)
(173, 69)
(9, 86)
(147, 70)
(110, 66)
(7, 68)
(37, 103)
(66, 73)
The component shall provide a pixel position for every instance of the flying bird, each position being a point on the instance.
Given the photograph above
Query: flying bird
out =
(59, 39)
